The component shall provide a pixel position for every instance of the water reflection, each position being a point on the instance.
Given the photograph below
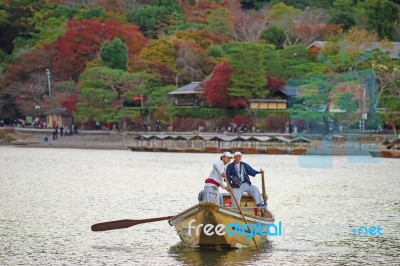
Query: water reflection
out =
(241, 256)
(209, 257)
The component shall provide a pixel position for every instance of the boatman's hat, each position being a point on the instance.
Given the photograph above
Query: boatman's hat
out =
(227, 154)
(238, 153)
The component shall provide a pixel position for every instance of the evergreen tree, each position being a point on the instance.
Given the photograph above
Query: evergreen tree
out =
(115, 54)
(249, 77)
(343, 13)
(382, 16)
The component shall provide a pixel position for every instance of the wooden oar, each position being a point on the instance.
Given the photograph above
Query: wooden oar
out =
(264, 192)
(240, 210)
(120, 224)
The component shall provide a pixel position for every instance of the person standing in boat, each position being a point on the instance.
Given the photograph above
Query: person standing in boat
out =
(216, 179)
(237, 174)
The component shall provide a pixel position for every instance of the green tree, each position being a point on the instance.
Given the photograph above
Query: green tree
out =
(296, 62)
(274, 35)
(343, 13)
(150, 17)
(114, 54)
(91, 13)
(220, 22)
(103, 92)
(249, 77)
(348, 102)
(382, 16)
(158, 96)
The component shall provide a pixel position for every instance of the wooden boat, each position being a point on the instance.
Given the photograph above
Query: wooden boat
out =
(375, 153)
(202, 226)
(392, 149)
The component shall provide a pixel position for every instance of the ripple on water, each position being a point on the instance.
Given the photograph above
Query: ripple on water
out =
(50, 198)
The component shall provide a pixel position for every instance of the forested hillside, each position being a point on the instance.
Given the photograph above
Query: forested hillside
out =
(113, 60)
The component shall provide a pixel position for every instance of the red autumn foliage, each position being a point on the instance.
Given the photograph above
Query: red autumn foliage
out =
(300, 124)
(187, 124)
(243, 120)
(276, 123)
(82, 42)
(275, 83)
(199, 11)
(216, 88)
(238, 103)
(167, 76)
(69, 102)
(27, 64)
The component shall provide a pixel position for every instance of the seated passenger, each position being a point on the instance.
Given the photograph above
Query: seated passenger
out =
(237, 174)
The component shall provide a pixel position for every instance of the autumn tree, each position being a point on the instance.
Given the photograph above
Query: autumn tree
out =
(203, 38)
(283, 17)
(310, 25)
(31, 93)
(158, 56)
(180, 54)
(350, 52)
(24, 80)
(275, 83)
(192, 62)
(216, 88)
(114, 54)
(387, 74)
(196, 12)
(248, 24)
(82, 42)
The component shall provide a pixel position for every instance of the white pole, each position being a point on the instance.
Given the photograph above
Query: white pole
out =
(48, 79)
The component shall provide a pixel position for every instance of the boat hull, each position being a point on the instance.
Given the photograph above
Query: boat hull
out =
(202, 226)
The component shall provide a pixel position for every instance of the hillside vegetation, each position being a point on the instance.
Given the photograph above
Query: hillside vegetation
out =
(117, 60)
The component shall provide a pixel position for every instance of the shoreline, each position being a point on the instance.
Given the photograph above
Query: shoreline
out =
(114, 140)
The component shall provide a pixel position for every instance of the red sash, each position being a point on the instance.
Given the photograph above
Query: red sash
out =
(212, 181)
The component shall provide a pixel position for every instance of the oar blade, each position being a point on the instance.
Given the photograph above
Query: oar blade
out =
(120, 224)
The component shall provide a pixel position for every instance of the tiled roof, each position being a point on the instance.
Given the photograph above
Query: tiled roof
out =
(194, 87)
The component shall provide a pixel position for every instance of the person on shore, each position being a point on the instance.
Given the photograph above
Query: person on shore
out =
(54, 133)
(237, 174)
(216, 180)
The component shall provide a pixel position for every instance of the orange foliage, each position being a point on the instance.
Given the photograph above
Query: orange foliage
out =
(199, 11)
(309, 32)
(203, 38)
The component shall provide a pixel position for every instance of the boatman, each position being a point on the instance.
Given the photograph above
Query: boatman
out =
(216, 180)
(238, 177)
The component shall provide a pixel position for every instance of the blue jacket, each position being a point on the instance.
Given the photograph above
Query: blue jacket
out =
(233, 175)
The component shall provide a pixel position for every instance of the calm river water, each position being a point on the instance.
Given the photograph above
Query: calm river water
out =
(50, 197)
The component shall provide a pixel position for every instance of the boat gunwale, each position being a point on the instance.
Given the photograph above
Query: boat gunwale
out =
(226, 211)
